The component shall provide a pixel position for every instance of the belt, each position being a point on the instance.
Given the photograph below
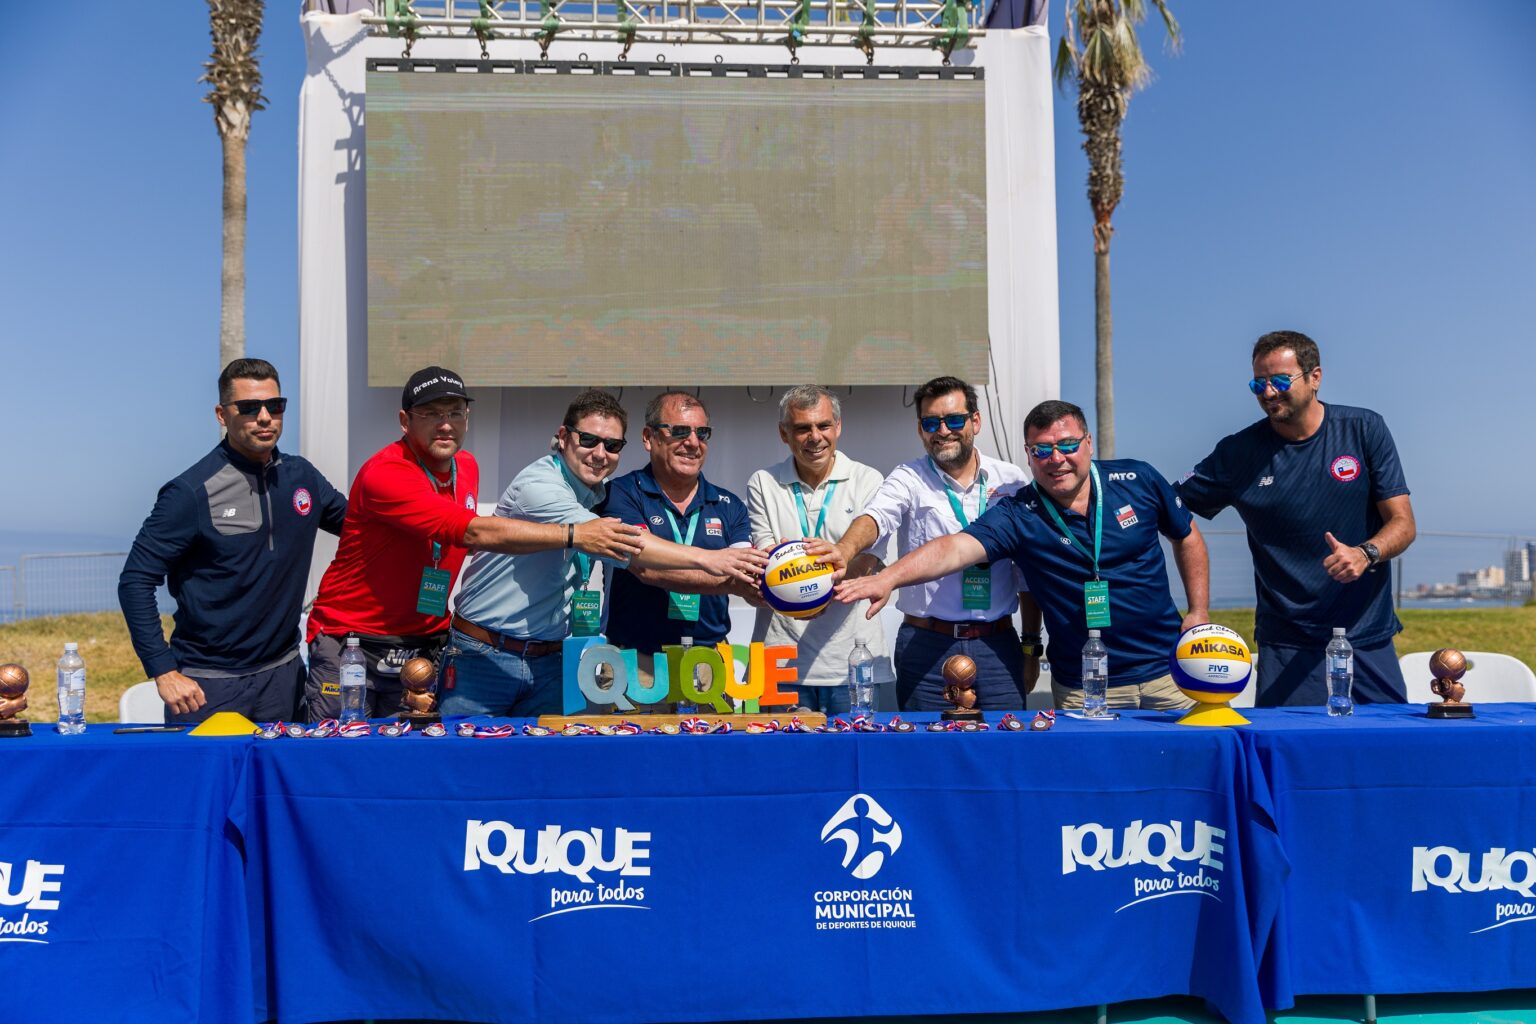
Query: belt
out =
(960, 630)
(527, 648)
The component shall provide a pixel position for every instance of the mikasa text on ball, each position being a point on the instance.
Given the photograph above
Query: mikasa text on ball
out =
(794, 583)
(1210, 664)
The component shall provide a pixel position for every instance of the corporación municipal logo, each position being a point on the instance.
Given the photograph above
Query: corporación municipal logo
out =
(586, 868)
(870, 836)
(1510, 873)
(28, 890)
(1173, 858)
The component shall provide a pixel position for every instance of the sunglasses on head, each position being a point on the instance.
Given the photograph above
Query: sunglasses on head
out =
(680, 431)
(614, 445)
(955, 421)
(1281, 382)
(252, 406)
(1068, 447)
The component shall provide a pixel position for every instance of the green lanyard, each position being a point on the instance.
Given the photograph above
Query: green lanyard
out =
(583, 561)
(954, 499)
(1098, 525)
(821, 518)
(693, 524)
(453, 485)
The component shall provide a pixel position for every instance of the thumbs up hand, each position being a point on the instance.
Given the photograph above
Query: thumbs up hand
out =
(1344, 563)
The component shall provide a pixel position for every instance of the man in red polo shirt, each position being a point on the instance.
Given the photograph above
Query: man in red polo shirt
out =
(411, 520)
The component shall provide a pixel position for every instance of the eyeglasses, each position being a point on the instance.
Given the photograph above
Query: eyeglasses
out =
(454, 416)
(680, 432)
(955, 421)
(252, 406)
(1281, 382)
(614, 445)
(1041, 452)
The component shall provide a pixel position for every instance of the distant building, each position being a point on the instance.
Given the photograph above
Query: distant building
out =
(1517, 565)
(1490, 578)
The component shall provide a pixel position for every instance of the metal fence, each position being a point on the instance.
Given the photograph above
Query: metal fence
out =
(60, 584)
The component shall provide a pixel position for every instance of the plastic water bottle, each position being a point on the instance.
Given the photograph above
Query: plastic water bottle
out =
(1095, 676)
(689, 706)
(861, 680)
(354, 683)
(71, 691)
(1341, 674)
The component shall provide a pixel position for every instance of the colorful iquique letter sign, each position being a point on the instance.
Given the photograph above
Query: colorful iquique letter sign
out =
(766, 671)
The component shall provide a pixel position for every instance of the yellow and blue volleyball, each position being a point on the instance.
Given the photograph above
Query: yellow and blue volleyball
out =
(1211, 664)
(794, 583)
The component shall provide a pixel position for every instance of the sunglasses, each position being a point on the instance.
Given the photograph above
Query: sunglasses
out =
(614, 445)
(954, 421)
(1041, 452)
(1281, 382)
(252, 406)
(681, 431)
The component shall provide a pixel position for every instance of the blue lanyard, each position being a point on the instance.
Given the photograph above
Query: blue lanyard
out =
(821, 518)
(453, 485)
(954, 500)
(1098, 525)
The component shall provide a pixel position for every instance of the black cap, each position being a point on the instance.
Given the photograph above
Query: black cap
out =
(430, 384)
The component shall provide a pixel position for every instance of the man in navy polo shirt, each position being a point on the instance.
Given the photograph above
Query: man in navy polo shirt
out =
(1322, 494)
(1082, 527)
(649, 608)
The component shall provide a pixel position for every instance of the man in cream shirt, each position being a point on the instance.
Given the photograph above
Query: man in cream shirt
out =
(816, 493)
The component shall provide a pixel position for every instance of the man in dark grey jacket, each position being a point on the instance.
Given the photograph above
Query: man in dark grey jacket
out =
(233, 535)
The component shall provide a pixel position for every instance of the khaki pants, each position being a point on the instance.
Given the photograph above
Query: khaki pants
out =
(1153, 695)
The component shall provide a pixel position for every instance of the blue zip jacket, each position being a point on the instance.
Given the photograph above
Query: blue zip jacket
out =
(234, 539)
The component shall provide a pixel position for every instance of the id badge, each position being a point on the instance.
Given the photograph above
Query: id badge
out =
(683, 607)
(586, 612)
(1096, 603)
(976, 588)
(432, 598)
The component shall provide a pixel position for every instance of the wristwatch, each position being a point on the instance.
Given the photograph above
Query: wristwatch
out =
(1031, 646)
(1372, 553)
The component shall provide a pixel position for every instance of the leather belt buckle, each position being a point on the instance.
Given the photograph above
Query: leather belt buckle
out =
(966, 630)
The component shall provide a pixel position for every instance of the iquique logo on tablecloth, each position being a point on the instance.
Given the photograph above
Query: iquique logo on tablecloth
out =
(1157, 847)
(863, 857)
(32, 886)
(1498, 870)
(581, 854)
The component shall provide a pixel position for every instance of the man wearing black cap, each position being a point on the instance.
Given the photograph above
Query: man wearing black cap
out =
(411, 520)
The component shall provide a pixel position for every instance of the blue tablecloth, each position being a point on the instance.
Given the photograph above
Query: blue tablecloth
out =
(135, 908)
(1411, 849)
(716, 877)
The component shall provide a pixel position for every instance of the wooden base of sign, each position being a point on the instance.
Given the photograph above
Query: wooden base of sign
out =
(1449, 710)
(738, 721)
(11, 728)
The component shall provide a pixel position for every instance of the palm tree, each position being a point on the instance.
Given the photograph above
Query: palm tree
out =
(235, 77)
(1100, 52)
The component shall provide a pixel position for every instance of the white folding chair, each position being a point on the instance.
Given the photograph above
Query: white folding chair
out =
(141, 705)
(1250, 692)
(1490, 678)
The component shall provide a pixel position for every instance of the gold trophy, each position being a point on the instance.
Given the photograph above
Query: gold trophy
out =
(14, 681)
(960, 690)
(1448, 665)
(417, 676)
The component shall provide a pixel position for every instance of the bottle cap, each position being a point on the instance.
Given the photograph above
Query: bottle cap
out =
(1338, 630)
(71, 646)
(1093, 633)
(353, 641)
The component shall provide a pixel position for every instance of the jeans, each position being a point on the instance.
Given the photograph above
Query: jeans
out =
(478, 679)
(829, 700)
(920, 657)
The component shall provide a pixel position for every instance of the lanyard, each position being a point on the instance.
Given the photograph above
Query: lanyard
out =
(1098, 525)
(821, 518)
(583, 561)
(453, 485)
(954, 499)
(693, 524)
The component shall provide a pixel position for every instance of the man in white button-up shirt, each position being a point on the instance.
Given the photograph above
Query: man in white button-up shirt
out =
(969, 612)
(816, 493)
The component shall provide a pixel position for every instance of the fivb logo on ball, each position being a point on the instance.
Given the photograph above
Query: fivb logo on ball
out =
(1183, 857)
(32, 886)
(580, 854)
(1497, 870)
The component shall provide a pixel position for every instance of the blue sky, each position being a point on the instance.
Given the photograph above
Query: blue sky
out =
(1361, 172)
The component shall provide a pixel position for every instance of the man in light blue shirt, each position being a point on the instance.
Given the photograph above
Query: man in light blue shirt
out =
(513, 611)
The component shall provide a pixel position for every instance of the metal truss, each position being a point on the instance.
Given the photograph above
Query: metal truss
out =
(944, 25)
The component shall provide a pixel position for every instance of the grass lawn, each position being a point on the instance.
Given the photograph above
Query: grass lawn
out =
(112, 667)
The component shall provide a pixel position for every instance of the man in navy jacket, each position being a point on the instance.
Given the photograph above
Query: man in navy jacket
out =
(233, 535)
